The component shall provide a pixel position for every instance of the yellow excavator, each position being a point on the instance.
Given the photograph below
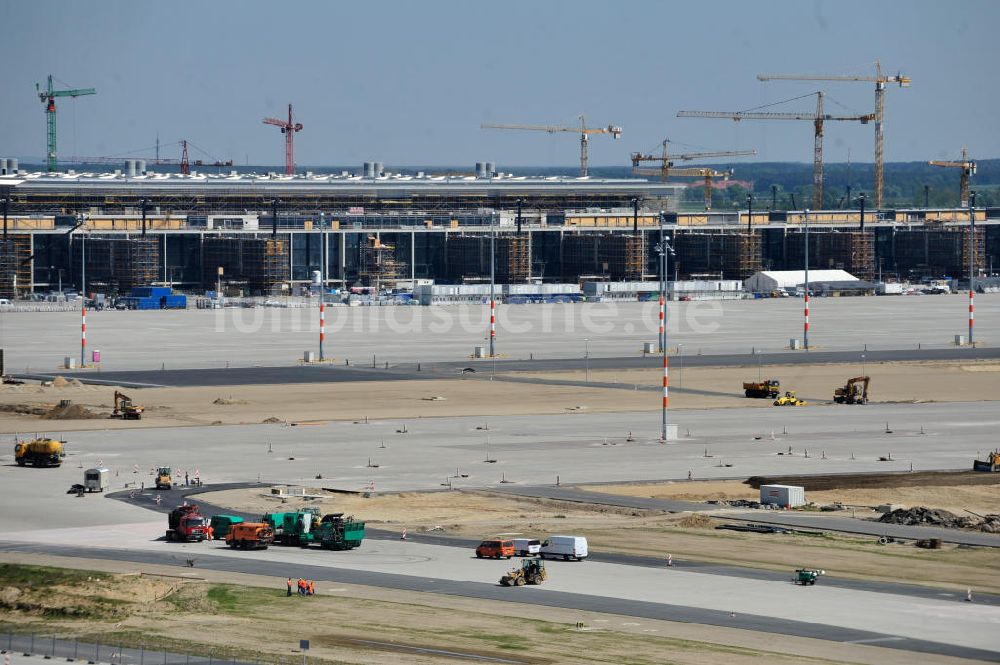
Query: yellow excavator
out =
(125, 408)
(789, 399)
(854, 392)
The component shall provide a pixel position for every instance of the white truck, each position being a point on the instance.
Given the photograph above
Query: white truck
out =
(527, 546)
(96, 480)
(565, 547)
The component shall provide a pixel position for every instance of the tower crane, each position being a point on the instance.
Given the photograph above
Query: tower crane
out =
(692, 172)
(584, 131)
(288, 128)
(968, 170)
(667, 160)
(818, 119)
(879, 80)
(48, 97)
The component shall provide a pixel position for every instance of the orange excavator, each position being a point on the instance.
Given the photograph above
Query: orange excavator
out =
(855, 391)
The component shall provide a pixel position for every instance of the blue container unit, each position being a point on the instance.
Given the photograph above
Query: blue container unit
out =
(174, 302)
(150, 291)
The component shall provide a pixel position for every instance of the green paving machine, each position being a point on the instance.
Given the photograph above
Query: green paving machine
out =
(306, 527)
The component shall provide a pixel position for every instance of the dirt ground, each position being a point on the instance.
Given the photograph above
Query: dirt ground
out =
(250, 617)
(473, 514)
(165, 407)
(957, 499)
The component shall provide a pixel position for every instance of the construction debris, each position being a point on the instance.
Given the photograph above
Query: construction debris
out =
(922, 516)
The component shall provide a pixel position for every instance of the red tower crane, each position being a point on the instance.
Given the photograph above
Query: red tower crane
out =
(288, 128)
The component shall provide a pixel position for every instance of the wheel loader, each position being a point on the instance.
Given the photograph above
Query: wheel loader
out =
(532, 571)
(855, 391)
(164, 479)
(789, 399)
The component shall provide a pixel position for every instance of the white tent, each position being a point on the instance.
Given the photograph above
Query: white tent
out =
(766, 281)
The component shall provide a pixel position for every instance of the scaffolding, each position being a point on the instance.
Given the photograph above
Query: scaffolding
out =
(852, 251)
(258, 266)
(603, 256)
(15, 266)
(727, 254)
(118, 264)
(379, 266)
(921, 253)
(469, 258)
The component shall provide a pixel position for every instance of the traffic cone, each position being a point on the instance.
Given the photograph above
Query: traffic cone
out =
(403, 537)
(968, 596)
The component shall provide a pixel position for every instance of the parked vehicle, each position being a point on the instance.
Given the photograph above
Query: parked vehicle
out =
(39, 452)
(222, 523)
(495, 549)
(765, 389)
(250, 536)
(567, 547)
(96, 480)
(527, 546)
(187, 525)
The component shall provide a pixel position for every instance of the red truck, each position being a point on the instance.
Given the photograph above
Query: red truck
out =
(187, 525)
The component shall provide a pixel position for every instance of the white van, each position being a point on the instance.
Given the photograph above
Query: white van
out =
(567, 547)
(526, 546)
(96, 480)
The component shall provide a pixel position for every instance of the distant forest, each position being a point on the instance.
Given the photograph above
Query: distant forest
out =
(904, 185)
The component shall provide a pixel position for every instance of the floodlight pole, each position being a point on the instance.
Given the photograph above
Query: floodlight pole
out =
(805, 325)
(972, 262)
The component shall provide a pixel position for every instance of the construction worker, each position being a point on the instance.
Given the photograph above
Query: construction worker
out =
(312, 588)
(211, 533)
(302, 587)
(289, 587)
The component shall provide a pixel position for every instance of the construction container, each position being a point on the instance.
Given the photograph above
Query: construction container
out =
(786, 496)
(174, 301)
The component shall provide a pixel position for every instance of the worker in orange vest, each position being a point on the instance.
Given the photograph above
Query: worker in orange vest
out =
(302, 587)
(312, 588)
(289, 586)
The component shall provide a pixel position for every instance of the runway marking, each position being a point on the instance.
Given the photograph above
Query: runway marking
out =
(876, 639)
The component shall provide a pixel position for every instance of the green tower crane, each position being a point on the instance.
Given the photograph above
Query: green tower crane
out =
(48, 98)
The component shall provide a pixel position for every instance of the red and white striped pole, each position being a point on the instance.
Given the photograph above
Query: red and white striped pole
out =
(493, 326)
(805, 325)
(83, 337)
(666, 395)
(663, 339)
(972, 313)
(322, 327)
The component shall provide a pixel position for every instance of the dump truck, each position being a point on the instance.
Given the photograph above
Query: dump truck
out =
(336, 532)
(991, 464)
(293, 528)
(763, 389)
(855, 391)
(186, 524)
(789, 399)
(531, 571)
(250, 536)
(164, 479)
(125, 408)
(39, 452)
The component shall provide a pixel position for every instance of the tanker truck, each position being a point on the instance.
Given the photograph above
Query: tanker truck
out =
(39, 452)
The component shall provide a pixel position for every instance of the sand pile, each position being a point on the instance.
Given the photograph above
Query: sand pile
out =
(271, 421)
(70, 411)
(228, 401)
(695, 521)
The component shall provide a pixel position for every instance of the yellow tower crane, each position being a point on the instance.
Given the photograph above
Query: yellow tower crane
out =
(879, 80)
(968, 170)
(583, 130)
(817, 118)
(692, 172)
(667, 160)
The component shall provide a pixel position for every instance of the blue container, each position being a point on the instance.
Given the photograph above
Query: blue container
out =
(142, 291)
(174, 302)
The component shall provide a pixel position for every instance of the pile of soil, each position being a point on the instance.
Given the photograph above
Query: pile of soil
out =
(63, 382)
(25, 409)
(228, 401)
(695, 521)
(70, 412)
(271, 421)
(921, 516)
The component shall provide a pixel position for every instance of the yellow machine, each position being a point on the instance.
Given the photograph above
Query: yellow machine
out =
(854, 392)
(532, 571)
(164, 481)
(39, 452)
(789, 399)
(125, 408)
(991, 464)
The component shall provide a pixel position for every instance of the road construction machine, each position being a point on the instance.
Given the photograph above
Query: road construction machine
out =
(991, 464)
(250, 536)
(39, 452)
(531, 571)
(769, 389)
(125, 408)
(855, 391)
(186, 524)
(336, 532)
(305, 527)
(807, 576)
(164, 479)
(789, 399)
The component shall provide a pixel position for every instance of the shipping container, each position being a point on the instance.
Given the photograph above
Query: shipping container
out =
(786, 496)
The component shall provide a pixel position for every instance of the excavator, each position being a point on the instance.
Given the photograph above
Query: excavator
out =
(854, 392)
(125, 408)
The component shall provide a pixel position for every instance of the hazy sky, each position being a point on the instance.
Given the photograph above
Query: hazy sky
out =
(409, 83)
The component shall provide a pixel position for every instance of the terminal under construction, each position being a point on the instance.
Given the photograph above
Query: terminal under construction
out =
(264, 234)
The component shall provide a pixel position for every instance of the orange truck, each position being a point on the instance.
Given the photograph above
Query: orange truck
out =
(250, 536)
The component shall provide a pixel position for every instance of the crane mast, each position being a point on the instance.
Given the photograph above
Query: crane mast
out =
(880, 80)
(288, 128)
(48, 97)
(968, 167)
(667, 160)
